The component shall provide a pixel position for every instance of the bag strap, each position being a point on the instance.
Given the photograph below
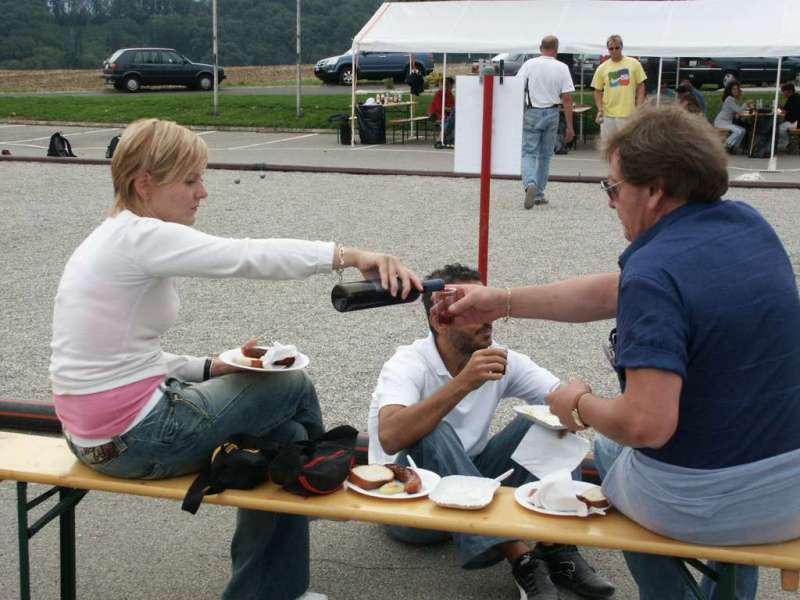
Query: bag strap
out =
(200, 487)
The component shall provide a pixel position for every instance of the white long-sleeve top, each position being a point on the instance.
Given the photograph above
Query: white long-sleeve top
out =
(118, 295)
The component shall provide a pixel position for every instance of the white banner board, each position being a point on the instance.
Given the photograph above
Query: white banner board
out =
(506, 125)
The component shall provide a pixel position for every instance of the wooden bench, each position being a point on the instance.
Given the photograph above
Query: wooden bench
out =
(406, 123)
(47, 460)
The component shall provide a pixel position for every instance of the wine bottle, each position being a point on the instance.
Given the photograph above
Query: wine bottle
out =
(358, 295)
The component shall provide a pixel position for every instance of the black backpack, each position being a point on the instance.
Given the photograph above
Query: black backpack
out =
(59, 146)
(309, 468)
(112, 146)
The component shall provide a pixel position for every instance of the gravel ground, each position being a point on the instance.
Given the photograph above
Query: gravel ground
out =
(136, 548)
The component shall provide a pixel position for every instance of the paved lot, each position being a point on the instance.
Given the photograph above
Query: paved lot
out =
(131, 548)
(321, 149)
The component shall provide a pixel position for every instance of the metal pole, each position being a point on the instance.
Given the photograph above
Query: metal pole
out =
(353, 71)
(658, 91)
(214, 50)
(444, 98)
(773, 163)
(677, 71)
(299, 74)
(486, 175)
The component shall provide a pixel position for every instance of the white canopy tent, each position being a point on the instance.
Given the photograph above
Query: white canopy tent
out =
(711, 28)
(670, 28)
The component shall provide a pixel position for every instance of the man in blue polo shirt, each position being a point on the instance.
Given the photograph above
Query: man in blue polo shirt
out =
(705, 447)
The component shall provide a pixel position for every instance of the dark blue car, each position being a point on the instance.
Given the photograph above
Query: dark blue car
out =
(371, 65)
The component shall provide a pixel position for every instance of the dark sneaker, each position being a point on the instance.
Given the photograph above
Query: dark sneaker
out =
(530, 194)
(540, 201)
(568, 569)
(530, 575)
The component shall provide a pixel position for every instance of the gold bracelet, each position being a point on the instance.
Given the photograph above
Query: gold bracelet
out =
(340, 267)
(575, 413)
(508, 305)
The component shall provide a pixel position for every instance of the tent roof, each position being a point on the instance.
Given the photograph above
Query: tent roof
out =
(712, 28)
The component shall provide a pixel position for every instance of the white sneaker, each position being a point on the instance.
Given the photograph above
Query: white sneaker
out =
(309, 595)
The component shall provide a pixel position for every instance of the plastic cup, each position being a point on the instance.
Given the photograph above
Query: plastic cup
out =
(440, 311)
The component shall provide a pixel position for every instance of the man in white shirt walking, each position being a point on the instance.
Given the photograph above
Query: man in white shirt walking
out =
(435, 400)
(548, 85)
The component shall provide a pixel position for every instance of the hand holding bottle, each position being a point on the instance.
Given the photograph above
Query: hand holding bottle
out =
(392, 274)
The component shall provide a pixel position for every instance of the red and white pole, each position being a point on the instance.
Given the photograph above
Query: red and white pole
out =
(486, 177)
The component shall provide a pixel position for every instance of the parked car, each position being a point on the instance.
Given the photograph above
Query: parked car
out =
(754, 71)
(513, 61)
(131, 68)
(371, 65)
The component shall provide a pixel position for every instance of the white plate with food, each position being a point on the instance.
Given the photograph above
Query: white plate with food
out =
(385, 481)
(575, 499)
(285, 361)
(465, 492)
(539, 414)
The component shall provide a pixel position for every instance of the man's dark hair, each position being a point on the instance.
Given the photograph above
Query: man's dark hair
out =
(452, 273)
(683, 89)
(450, 80)
(788, 87)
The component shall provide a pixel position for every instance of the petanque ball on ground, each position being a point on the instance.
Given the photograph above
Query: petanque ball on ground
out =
(236, 181)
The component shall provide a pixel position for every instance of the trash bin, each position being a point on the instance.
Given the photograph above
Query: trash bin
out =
(371, 124)
(345, 133)
(344, 130)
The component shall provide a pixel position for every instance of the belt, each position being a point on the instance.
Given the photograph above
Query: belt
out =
(545, 107)
(97, 455)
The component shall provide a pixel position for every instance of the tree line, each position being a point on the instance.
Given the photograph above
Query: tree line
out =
(80, 34)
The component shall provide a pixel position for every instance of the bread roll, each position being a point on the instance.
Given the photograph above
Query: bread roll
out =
(594, 498)
(370, 477)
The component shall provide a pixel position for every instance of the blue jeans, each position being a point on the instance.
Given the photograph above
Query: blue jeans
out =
(270, 552)
(736, 136)
(441, 451)
(538, 144)
(659, 577)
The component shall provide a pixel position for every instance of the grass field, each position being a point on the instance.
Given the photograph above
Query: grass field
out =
(265, 111)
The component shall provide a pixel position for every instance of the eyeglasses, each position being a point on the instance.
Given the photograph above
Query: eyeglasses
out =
(608, 188)
(615, 47)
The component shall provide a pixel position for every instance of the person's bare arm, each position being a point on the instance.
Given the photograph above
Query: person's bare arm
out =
(566, 101)
(598, 100)
(641, 92)
(402, 426)
(645, 416)
(579, 300)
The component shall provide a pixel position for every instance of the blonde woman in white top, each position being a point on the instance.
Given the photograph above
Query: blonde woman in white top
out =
(128, 408)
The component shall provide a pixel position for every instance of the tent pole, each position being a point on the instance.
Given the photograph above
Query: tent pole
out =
(444, 98)
(353, 77)
(411, 99)
(486, 176)
(677, 71)
(658, 90)
(773, 163)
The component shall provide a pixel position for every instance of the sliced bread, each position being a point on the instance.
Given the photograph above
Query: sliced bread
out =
(370, 477)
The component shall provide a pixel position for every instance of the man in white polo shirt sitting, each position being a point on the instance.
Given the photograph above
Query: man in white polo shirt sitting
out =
(435, 400)
(548, 85)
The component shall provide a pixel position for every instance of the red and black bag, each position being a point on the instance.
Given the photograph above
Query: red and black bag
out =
(316, 467)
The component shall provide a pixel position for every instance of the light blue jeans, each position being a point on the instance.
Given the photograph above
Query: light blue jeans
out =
(270, 552)
(736, 136)
(441, 451)
(538, 144)
(659, 577)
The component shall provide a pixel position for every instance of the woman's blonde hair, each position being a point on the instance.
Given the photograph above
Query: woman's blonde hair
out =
(165, 150)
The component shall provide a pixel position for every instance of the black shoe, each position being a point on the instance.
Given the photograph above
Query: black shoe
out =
(539, 201)
(533, 582)
(568, 569)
